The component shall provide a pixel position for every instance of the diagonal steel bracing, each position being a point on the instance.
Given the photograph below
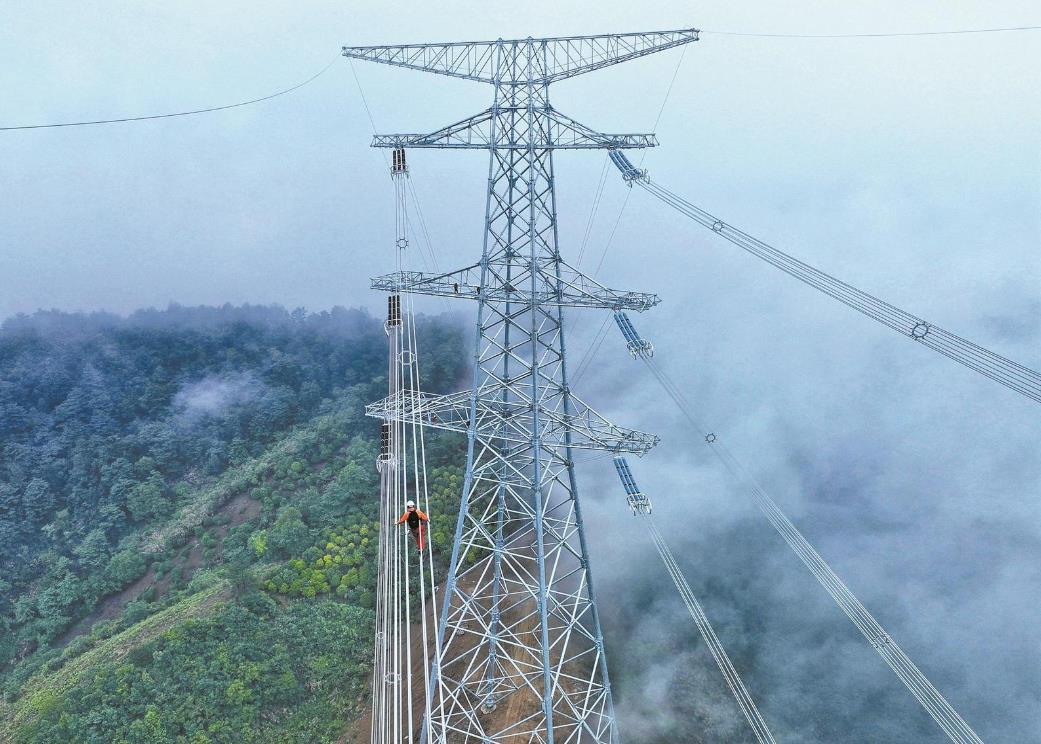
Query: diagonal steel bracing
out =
(520, 655)
(571, 288)
(507, 420)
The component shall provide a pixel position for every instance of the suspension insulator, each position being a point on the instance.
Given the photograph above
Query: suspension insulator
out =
(397, 160)
(637, 499)
(386, 454)
(394, 310)
(637, 346)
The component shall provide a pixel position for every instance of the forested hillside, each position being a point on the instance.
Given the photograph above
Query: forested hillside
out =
(187, 521)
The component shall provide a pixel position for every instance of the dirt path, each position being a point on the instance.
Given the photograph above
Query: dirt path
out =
(112, 605)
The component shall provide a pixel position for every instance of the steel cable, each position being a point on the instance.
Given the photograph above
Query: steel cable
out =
(597, 197)
(719, 654)
(403, 478)
(881, 35)
(590, 353)
(1011, 374)
(912, 677)
(175, 114)
(625, 202)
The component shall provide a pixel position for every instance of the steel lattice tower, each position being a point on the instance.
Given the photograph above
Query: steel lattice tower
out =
(519, 653)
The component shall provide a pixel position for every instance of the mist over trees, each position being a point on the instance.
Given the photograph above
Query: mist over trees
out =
(185, 502)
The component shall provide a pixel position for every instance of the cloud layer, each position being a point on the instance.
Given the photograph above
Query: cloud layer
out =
(907, 167)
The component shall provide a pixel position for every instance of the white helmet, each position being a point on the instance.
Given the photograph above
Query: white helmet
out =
(409, 503)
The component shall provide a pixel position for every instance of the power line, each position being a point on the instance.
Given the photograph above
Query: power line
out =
(590, 351)
(916, 682)
(177, 113)
(641, 508)
(708, 633)
(1005, 371)
(876, 35)
(420, 230)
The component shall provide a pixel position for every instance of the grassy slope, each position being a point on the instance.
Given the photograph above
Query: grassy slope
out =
(44, 690)
(47, 692)
(240, 479)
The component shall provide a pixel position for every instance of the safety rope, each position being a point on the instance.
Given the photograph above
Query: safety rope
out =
(421, 466)
(427, 242)
(383, 562)
(405, 357)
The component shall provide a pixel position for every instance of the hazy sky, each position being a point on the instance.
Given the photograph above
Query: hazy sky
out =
(910, 167)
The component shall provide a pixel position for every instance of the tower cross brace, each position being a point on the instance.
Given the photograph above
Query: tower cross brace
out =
(520, 648)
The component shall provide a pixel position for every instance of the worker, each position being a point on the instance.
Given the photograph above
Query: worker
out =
(416, 521)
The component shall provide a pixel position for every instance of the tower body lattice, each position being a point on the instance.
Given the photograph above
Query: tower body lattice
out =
(519, 650)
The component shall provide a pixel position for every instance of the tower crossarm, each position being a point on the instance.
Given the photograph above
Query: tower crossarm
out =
(558, 132)
(472, 132)
(574, 288)
(570, 56)
(508, 422)
(472, 60)
(506, 61)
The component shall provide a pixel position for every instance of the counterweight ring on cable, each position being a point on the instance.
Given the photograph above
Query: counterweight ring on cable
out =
(710, 438)
(977, 358)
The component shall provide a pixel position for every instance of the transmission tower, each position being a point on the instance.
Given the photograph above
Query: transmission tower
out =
(519, 653)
